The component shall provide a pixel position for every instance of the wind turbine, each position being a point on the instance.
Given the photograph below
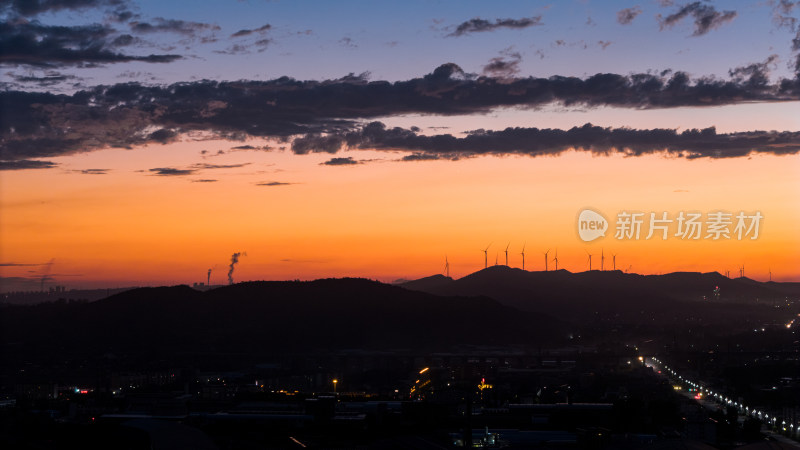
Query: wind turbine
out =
(770, 274)
(446, 267)
(590, 260)
(602, 259)
(509, 245)
(496, 256)
(556, 259)
(523, 257)
(614, 261)
(545, 259)
(486, 256)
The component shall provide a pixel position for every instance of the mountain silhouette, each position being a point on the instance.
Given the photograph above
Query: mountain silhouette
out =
(268, 317)
(572, 296)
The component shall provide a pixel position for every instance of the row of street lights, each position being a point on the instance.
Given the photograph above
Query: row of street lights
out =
(722, 399)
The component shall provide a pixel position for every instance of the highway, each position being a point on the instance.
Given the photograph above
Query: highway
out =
(714, 401)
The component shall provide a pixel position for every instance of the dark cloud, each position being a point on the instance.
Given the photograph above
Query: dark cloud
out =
(755, 75)
(162, 25)
(796, 49)
(243, 49)
(93, 171)
(122, 15)
(24, 164)
(204, 180)
(504, 66)
(11, 264)
(273, 183)
(208, 154)
(782, 11)
(349, 161)
(218, 166)
(34, 44)
(162, 136)
(626, 16)
(34, 7)
(265, 148)
(50, 78)
(421, 157)
(782, 14)
(193, 169)
(478, 25)
(694, 143)
(706, 17)
(317, 144)
(261, 29)
(39, 125)
(171, 171)
(125, 40)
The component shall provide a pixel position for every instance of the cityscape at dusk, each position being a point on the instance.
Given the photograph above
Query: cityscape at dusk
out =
(132, 154)
(428, 224)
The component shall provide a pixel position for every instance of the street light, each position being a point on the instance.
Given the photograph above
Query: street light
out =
(334, 385)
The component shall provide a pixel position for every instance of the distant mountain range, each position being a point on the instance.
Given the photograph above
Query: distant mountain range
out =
(265, 317)
(495, 306)
(573, 295)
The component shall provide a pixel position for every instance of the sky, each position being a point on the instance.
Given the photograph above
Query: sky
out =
(147, 142)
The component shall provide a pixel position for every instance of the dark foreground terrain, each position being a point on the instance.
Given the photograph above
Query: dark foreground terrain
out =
(501, 358)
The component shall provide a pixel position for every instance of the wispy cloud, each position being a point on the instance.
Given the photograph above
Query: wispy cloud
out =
(626, 16)
(478, 25)
(504, 66)
(273, 183)
(48, 78)
(218, 166)
(162, 25)
(171, 172)
(349, 161)
(25, 164)
(706, 17)
(245, 32)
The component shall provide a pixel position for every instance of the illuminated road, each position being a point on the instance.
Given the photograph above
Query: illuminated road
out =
(713, 401)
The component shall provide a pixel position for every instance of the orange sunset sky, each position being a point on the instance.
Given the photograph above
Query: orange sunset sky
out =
(164, 211)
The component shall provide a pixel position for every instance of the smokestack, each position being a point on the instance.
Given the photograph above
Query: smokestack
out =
(208, 281)
(232, 266)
